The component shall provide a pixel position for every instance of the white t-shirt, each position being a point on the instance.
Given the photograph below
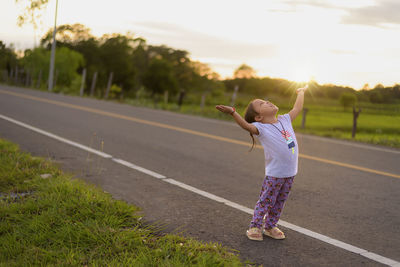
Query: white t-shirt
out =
(281, 154)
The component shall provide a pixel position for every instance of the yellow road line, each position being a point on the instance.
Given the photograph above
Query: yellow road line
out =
(179, 129)
(350, 166)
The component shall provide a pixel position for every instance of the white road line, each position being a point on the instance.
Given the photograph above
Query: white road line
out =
(138, 168)
(304, 231)
(195, 190)
(72, 143)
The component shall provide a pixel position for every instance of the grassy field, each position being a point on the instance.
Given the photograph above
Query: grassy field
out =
(377, 123)
(50, 218)
(379, 129)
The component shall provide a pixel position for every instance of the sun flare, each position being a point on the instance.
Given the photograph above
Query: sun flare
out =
(303, 75)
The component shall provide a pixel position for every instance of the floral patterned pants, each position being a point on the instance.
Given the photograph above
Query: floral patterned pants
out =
(273, 195)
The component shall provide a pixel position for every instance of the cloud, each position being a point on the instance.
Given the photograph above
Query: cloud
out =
(203, 45)
(342, 52)
(292, 5)
(384, 12)
(377, 14)
(316, 3)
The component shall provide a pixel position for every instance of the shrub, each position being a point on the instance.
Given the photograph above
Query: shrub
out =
(347, 99)
(376, 97)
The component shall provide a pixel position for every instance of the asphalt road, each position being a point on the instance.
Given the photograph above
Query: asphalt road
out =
(357, 204)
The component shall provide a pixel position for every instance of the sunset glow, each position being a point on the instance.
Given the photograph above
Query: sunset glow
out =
(339, 42)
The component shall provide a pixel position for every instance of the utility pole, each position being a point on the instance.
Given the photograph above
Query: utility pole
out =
(53, 52)
(234, 95)
(109, 84)
(355, 117)
(83, 82)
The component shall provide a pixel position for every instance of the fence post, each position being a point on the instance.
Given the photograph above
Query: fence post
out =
(355, 116)
(166, 95)
(27, 77)
(181, 96)
(121, 96)
(11, 75)
(93, 83)
(110, 78)
(39, 79)
(303, 119)
(234, 95)
(31, 77)
(5, 76)
(83, 82)
(55, 80)
(16, 75)
(203, 101)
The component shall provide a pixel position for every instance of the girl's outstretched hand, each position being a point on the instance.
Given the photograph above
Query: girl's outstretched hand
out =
(303, 89)
(225, 109)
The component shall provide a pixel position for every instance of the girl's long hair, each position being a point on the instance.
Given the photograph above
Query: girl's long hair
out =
(249, 116)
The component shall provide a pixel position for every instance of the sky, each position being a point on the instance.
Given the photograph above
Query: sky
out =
(342, 42)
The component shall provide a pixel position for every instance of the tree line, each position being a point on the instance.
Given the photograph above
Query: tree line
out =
(137, 68)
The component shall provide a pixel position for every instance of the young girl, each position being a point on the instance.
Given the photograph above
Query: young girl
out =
(277, 137)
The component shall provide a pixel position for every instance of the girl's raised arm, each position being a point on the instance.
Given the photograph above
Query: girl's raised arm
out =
(298, 105)
(239, 120)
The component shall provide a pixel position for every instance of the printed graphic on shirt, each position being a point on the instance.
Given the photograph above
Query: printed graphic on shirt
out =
(289, 140)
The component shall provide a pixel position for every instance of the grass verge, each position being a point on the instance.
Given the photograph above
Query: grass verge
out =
(63, 221)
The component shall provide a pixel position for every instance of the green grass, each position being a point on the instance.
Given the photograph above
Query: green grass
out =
(375, 129)
(64, 222)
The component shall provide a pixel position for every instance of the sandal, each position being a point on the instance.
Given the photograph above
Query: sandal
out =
(274, 233)
(254, 234)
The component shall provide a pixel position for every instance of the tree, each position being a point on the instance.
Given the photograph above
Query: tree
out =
(67, 35)
(66, 64)
(79, 38)
(8, 58)
(116, 54)
(347, 99)
(90, 49)
(32, 12)
(376, 97)
(396, 91)
(204, 70)
(244, 72)
(159, 77)
(140, 61)
(205, 81)
(37, 61)
(179, 61)
(365, 87)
